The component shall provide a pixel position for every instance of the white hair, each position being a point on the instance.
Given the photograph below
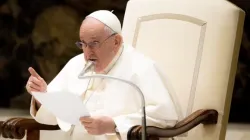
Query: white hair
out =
(108, 30)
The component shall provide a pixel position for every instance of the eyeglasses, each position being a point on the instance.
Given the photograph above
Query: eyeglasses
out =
(94, 44)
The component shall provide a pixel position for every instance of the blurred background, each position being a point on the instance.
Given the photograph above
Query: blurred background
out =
(42, 33)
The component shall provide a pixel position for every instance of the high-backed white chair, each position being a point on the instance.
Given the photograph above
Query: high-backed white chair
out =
(196, 44)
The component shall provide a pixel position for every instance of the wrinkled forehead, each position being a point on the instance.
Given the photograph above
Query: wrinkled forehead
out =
(91, 28)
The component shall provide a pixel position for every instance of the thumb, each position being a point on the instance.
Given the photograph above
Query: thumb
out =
(34, 73)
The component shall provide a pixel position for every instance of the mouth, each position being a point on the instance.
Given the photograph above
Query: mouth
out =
(93, 59)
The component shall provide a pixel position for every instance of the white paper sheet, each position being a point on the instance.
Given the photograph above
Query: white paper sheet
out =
(66, 106)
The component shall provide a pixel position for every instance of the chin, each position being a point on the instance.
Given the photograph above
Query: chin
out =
(97, 66)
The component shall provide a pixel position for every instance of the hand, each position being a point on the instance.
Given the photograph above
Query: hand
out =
(98, 125)
(35, 82)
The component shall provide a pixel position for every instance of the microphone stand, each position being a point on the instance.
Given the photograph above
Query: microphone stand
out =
(144, 133)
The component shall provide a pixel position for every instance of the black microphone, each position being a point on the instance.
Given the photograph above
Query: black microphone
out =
(144, 133)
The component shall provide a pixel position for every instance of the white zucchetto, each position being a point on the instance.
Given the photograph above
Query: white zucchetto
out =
(107, 18)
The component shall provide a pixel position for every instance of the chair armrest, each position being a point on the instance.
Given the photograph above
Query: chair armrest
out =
(15, 128)
(204, 116)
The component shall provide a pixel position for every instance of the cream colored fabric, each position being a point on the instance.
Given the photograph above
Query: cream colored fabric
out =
(196, 44)
(115, 99)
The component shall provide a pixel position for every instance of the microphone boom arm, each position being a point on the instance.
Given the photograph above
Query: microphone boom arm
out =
(144, 133)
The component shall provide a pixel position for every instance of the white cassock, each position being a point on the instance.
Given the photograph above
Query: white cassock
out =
(113, 98)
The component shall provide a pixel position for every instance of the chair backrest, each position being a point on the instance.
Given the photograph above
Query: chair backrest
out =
(195, 43)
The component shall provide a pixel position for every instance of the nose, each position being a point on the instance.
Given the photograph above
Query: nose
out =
(87, 49)
(88, 52)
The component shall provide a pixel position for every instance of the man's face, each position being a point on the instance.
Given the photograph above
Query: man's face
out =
(97, 44)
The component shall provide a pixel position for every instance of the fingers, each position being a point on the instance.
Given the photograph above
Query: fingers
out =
(86, 119)
(89, 126)
(92, 125)
(34, 73)
(34, 86)
(31, 89)
(87, 122)
(35, 82)
(93, 131)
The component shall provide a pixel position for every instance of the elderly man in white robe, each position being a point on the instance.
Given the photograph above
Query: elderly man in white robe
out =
(114, 107)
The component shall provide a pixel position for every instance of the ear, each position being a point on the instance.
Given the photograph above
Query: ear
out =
(117, 43)
(118, 40)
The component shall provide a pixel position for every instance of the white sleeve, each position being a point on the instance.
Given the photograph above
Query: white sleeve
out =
(160, 109)
(42, 115)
